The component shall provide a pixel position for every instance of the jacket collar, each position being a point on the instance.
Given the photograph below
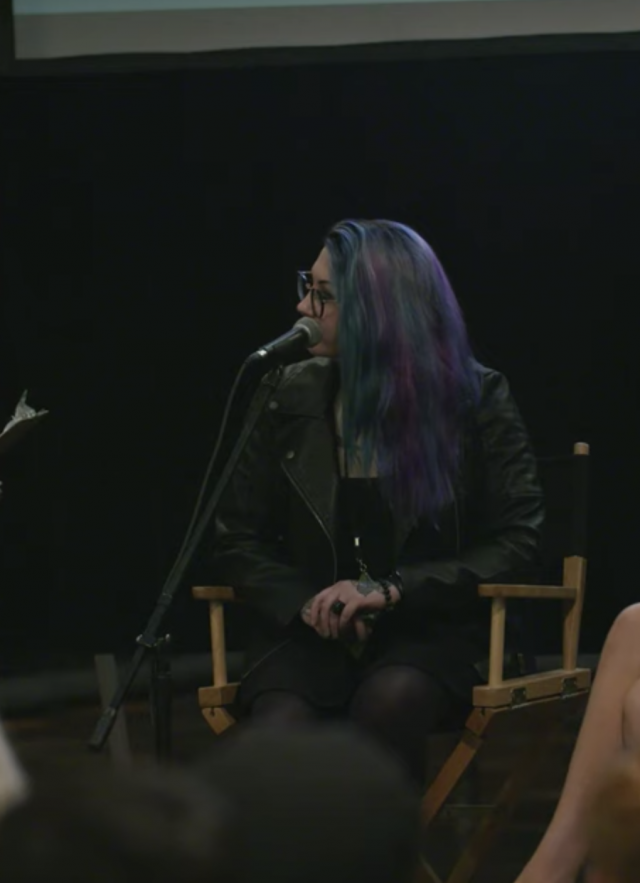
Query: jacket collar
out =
(308, 388)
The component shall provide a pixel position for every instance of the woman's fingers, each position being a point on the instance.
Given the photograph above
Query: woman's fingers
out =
(328, 621)
(323, 626)
(314, 613)
(362, 630)
(334, 624)
(350, 610)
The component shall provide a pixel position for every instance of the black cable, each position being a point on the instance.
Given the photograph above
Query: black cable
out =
(207, 476)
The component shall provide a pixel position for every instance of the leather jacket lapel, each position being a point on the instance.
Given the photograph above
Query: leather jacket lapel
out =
(311, 462)
(313, 470)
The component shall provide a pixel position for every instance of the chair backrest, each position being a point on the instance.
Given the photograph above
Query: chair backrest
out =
(564, 481)
(565, 484)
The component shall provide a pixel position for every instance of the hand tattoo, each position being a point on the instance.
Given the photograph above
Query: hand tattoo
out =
(366, 586)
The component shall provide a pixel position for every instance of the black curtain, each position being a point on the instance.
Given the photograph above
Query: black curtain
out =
(7, 47)
(151, 227)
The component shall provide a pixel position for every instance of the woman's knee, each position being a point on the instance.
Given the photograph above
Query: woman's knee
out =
(393, 692)
(631, 718)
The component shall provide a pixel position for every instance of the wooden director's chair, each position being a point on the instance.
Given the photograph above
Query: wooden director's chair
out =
(536, 704)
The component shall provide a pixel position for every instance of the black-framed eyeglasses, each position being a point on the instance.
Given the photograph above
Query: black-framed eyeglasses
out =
(318, 297)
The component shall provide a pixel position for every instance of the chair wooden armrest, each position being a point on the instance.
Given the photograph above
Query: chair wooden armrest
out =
(571, 592)
(490, 590)
(221, 692)
(214, 699)
(542, 685)
(223, 594)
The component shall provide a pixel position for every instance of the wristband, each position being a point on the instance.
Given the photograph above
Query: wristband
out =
(385, 585)
(394, 579)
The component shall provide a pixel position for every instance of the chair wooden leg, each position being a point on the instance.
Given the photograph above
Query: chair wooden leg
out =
(456, 764)
(218, 719)
(485, 835)
(425, 873)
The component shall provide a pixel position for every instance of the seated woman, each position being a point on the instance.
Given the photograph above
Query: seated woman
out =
(613, 825)
(389, 475)
(611, 724)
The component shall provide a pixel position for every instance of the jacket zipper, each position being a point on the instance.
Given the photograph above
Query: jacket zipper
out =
(323, 526)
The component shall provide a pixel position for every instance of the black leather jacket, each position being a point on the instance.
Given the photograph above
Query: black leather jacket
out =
(276, 527)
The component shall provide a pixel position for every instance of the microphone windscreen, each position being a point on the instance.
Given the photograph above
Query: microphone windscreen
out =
(312, 328)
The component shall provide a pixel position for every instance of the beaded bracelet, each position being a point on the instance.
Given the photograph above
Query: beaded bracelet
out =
(395, 580)
(385, 585)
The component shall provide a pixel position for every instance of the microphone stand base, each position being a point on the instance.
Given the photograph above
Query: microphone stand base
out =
(161, 699)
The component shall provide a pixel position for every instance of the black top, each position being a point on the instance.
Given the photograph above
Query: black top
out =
(364, 513)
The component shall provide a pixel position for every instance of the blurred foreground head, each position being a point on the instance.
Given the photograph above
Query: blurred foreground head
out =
(614, 825)
(315, 806)
(101, 828)
(13, 781)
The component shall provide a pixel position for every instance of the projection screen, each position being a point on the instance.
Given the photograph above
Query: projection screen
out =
(66, 28)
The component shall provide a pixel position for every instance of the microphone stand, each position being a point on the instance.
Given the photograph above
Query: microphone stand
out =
(149, 641)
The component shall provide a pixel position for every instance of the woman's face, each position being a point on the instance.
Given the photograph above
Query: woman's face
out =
(328, 321)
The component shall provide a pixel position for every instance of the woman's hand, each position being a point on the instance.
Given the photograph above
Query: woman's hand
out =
(359, 598)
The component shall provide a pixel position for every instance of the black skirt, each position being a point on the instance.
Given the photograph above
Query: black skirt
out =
(326, 673)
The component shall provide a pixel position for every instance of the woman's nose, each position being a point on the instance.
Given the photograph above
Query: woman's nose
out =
(304, 307)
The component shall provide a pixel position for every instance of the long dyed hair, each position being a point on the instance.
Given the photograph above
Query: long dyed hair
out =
(407, 371)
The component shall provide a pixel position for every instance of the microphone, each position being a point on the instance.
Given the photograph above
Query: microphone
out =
(304, 334)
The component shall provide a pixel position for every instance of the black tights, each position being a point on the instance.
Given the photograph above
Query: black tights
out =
(277, 708)
(398, 705)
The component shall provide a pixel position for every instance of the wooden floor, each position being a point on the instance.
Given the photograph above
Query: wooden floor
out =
(58, 738)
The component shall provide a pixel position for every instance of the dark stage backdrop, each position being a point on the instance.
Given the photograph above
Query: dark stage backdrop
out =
(152, 223)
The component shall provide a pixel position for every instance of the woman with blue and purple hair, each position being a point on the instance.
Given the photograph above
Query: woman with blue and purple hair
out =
(389, 476)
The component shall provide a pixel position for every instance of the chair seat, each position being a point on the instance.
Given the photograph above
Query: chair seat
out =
(525, 689)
